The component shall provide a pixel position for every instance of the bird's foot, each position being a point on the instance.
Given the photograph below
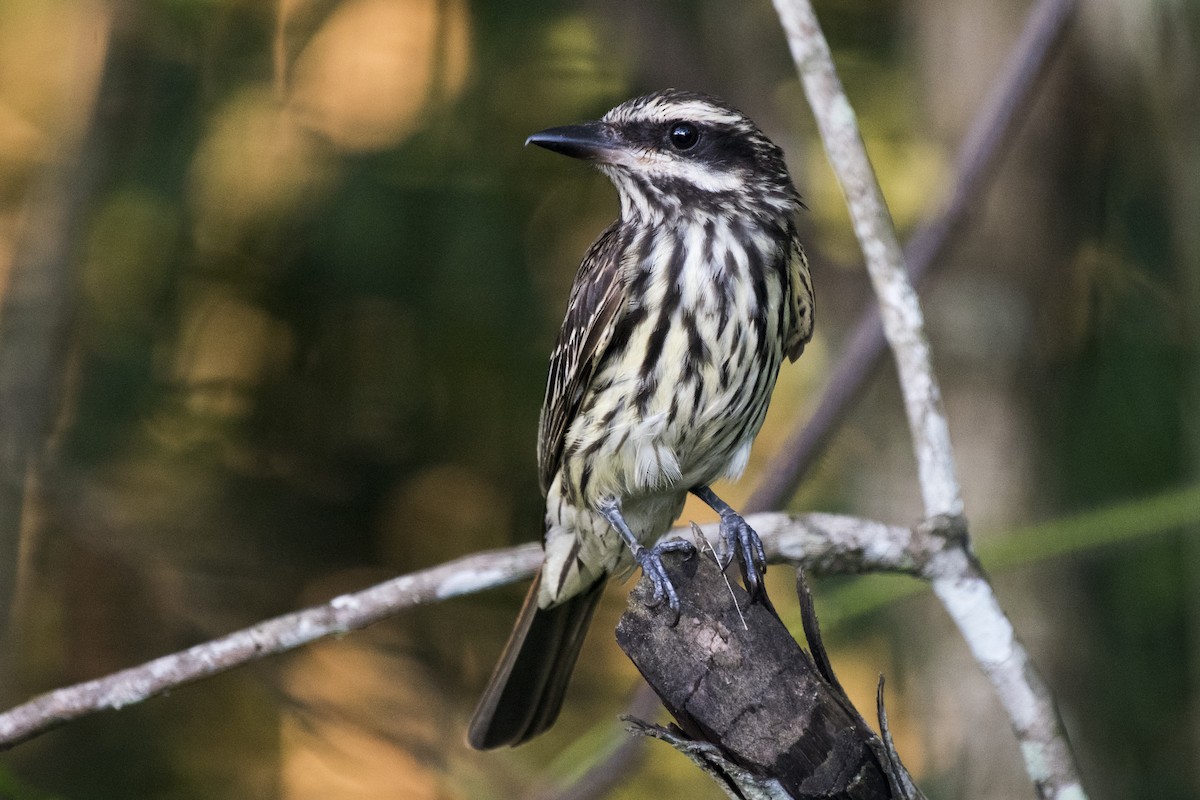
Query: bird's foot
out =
(740, 540)
(650, 560)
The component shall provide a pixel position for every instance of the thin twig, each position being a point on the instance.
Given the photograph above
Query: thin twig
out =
(345, 613)
(823, 542)
(707, 545)
(958, 580)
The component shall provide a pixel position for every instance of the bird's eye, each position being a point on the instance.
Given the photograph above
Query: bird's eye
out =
(684, 135)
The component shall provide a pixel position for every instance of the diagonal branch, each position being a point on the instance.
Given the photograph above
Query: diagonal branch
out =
(957, 578)
(821, 542)
(901, 313)
(993, 127)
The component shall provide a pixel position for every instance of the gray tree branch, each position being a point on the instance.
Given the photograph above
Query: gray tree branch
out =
(1007, 103)
(823, 542)
(757, 712)
(957, 578)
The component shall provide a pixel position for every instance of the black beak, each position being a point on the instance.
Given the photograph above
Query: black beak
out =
(591, 141)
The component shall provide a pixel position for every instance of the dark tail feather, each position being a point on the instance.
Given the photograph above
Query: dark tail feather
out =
(526, 691)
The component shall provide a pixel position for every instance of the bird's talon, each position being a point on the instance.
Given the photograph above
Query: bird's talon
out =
(739, 539)
(650, 560)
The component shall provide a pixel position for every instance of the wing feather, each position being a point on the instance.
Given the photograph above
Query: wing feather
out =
(598, 297)
(801, 300)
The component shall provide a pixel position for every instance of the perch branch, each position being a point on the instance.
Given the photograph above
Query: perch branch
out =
(753, 709)
(957, 578)
(822, 542)
(278, 635)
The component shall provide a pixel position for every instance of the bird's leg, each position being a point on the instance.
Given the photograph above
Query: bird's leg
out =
(738, 538)
(649, 559)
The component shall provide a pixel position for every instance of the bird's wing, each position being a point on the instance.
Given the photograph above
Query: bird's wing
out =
(801, 299)
(597, 299)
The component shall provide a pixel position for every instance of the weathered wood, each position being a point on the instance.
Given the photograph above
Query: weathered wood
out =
(753, 708)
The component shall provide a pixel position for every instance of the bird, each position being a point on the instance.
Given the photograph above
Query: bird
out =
(676, 326)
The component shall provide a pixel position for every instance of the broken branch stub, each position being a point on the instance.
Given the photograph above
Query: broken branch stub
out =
(767, 722)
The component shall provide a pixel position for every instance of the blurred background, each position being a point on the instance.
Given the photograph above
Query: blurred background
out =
(278, 284)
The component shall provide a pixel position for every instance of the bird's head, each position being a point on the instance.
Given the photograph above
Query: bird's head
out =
(676, 152)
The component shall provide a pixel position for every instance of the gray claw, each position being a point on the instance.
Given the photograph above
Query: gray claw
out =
(738, 538)
(650, 560)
